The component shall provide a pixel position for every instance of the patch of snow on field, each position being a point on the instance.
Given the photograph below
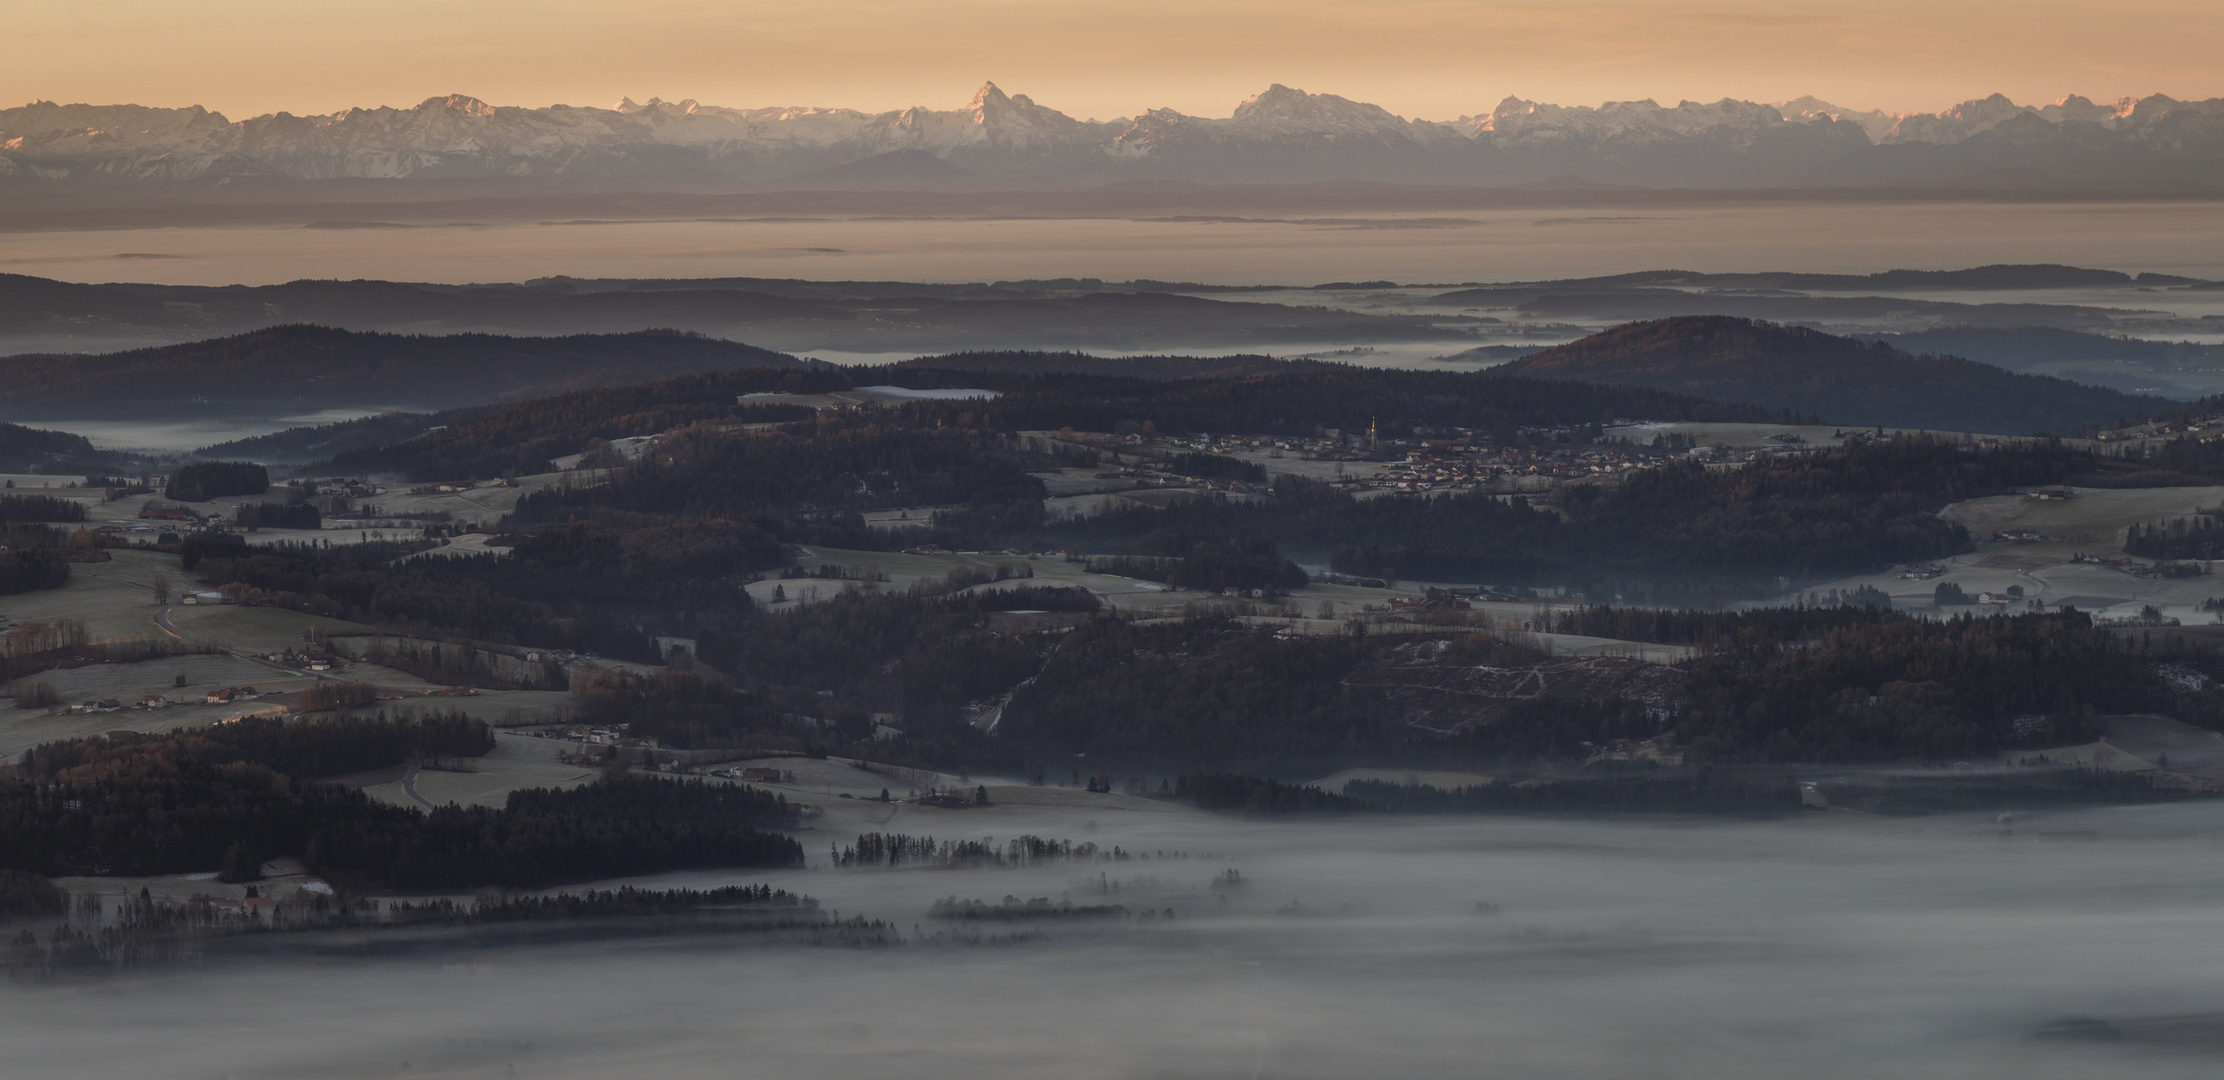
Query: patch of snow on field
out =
(2183, 677)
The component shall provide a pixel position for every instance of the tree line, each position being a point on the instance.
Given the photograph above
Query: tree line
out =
(189, 802)
(15, 508)
(2199, 537)
(1903, 688)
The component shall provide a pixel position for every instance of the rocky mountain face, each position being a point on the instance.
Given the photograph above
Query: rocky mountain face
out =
(1278, 136)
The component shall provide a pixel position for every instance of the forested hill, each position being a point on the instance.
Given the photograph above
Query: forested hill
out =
(314, 367)
(525, 436)
(23, 449)
(1842, 380)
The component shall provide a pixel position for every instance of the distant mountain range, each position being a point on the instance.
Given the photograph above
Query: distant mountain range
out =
(859, 316)
(1007, 141)
(1842, 380)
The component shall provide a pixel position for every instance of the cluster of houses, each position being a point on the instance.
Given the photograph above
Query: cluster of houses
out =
(309, 660)
(1452, 459)
(592, 734)
(167, 518)
(2203, 428)
(340, 486)
(225, 696)
(756, 773)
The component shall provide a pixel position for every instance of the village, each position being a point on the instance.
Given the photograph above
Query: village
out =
(1441, 461)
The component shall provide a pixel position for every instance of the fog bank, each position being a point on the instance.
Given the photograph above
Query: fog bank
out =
(1495, 245)
(1825, 946)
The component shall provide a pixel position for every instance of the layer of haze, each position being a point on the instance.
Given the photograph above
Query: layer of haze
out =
(2178, 238)
(1436, 59)
(1821, 947)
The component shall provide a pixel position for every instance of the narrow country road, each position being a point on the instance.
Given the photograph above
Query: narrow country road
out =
(409, 787)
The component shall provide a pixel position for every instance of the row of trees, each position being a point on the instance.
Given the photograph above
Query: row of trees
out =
(897, 849)
(344, 744)
(2177, 538)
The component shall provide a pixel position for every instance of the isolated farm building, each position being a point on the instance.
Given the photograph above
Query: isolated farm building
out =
(153, 701)
(767, 775)
(222, 697)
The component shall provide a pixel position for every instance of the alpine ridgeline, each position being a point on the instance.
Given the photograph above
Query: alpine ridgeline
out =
(1004, 140)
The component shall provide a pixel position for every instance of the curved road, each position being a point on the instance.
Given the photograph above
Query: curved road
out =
(409, 787)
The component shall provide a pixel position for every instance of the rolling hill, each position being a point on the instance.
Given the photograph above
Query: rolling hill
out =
(1840, 379)
(305, 368)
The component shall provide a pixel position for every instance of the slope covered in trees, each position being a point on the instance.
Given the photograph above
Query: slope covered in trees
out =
(1671, 528)
(809, 471)
(185, 802)
(312, 367)
(524, 436)
(24, 449)
(1841, 380)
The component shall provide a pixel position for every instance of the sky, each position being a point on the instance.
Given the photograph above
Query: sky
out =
(1433, 59)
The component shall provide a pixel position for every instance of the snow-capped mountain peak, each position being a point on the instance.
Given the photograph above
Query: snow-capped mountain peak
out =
(989, 96)
(462, 104)
(1875, 123)
(1280, 104)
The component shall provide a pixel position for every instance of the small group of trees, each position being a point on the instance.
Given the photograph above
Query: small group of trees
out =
(32, 557)
(40, 508)
(273, 515)
(201, 481)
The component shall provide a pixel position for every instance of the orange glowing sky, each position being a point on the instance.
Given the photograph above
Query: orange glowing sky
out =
(1435, 59)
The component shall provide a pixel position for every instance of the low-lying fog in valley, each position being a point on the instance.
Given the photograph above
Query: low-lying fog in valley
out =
(2070, 944)
(1496, 245)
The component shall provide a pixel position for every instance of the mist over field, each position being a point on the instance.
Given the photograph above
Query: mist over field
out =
(1830, 946)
